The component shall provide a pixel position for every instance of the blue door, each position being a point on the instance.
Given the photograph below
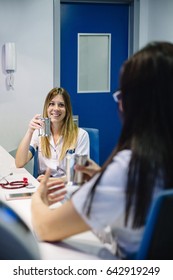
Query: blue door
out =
(96, 110)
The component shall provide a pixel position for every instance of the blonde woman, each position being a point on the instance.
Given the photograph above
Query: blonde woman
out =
(65, 136)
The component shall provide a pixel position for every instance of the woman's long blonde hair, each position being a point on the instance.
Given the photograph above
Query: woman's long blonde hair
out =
(69, 129)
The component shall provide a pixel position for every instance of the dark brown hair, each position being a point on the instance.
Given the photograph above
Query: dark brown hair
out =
(146, 83)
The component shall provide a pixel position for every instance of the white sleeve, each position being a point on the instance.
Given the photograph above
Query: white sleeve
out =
(83, 143)
(109, 199)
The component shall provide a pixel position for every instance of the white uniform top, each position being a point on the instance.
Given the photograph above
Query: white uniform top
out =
(108, 207)
(82, 147)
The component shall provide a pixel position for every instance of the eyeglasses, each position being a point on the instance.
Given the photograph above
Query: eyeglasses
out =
(117, 96)
(14, 184)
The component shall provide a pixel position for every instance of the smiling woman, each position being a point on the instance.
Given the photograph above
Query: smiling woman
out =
(65, 137)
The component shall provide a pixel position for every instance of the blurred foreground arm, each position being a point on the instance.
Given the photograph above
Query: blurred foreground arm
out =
(52, 179)
(58, 223)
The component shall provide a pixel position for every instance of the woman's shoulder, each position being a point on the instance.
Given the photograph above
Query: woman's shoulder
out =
(117, 170)
(122, 159)
(123, 155)
(82, 132)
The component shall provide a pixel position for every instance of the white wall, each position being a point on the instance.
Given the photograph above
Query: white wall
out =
(156, 21)
(161, 20)
(28, 23)
(143, 22)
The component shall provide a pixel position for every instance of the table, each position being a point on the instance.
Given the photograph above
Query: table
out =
(81, 246)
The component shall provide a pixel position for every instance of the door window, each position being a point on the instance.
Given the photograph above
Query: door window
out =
(94, 62)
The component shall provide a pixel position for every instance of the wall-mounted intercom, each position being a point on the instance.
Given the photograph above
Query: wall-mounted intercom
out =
(10, 62)
(10, 57)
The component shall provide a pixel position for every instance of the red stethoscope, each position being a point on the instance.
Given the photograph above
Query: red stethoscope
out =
(14, 184)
